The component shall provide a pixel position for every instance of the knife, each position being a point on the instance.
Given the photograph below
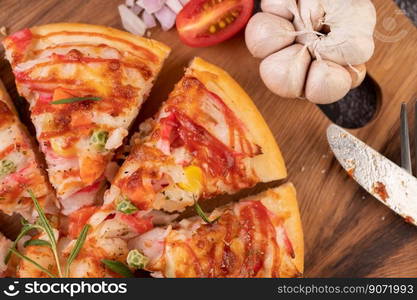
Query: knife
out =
(386, 181)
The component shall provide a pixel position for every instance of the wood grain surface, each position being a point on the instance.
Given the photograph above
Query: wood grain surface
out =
(347, 232)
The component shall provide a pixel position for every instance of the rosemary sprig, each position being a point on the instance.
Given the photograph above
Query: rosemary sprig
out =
(33, 262)
(202, 214)
(26, 228)
(47, 228)
(76, 249)
(117, 267)
(75, 99)
(43, 225)
(36, 243)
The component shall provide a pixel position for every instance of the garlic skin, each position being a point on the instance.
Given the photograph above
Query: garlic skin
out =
(357, 73)
(284, 72)
(260, 29)
(345, 50)
(351, 24)
(282, 8)
(327, 82)
(311, 14)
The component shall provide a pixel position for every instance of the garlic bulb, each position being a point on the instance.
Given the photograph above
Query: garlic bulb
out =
(338, 35)
(311, 14)
(260, 29)
(351, 25)
(308, 20)
(357, 73)
(282, 8)
(327, 82)
(284, 72)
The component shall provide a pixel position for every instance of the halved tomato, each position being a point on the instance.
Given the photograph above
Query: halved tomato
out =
(203, 23)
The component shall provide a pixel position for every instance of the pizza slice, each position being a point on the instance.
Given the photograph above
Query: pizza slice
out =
(260, 236)
(5, 244)
(107, 239)
(20, 170)
(207, 139)
(85, 85)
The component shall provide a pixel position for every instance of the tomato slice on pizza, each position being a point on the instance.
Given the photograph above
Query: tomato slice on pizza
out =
(85, 85)
(260, 236)
(20, 169)
(207, 139)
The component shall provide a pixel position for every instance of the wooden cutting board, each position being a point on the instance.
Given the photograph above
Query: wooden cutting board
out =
(347, 232)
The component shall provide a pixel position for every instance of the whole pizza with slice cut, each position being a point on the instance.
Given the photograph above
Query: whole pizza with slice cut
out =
(85, 85)
(207, 139)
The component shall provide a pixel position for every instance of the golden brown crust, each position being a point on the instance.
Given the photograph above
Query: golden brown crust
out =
(270, 165)
(156, 47)
(283, 199)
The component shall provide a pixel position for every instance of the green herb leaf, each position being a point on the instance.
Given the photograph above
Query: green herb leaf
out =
(26, 228)
(44, 223)
(24, 222)
(136, 260)
(201, 213)
(124, 205)
(32, 262)
(75, 99)
(117, 267)
(7, 167)
(76, 249)
(36, 243)
(99, 139)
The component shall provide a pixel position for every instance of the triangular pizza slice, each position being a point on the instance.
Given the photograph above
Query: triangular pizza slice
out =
(85, 85)
(207, 139)
(20, 168)
(260, 236)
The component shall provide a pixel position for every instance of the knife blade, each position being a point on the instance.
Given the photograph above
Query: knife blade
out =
(386, 181)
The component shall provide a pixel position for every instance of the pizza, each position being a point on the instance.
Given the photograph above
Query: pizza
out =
(5, 244)
(85, 85)
(260, 236)
(207, 139)
(20, 168)
(108, 238)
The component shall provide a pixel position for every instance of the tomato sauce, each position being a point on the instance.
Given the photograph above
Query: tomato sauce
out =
(9, 149)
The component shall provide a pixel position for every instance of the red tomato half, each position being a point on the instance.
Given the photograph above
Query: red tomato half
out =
(204, 23)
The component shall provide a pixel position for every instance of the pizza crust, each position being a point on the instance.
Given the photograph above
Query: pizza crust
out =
(269, 166)
(157, 48)
(283, 200)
